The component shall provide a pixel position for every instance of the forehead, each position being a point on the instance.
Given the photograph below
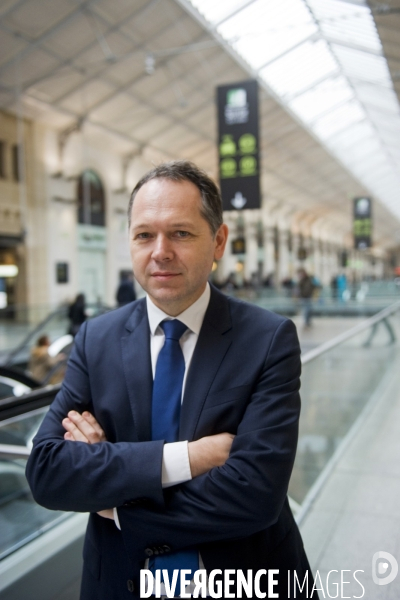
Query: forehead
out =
(162, 197)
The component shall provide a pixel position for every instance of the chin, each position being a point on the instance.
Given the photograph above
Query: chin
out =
(165, 295)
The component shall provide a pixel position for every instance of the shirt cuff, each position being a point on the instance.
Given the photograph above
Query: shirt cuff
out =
(175, 464)
(116, 519)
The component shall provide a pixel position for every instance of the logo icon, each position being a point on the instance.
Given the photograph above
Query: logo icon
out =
(380, 566)
(237, 97)
(237, 107)
(238, 201)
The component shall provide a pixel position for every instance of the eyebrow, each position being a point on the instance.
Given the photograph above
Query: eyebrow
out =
(182, 225)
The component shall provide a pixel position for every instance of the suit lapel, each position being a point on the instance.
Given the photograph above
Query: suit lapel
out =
(136, 360)
(212, 345)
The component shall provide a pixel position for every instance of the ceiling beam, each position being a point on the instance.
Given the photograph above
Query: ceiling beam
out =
(47, 34)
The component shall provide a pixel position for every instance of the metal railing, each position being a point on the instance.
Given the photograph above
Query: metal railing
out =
(380, 317)
(10, 451)
(342, 381)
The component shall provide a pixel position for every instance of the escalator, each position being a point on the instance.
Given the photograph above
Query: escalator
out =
(40, 549)
(15, 378)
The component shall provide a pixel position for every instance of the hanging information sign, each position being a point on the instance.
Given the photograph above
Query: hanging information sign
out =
(362, 224)
(238, 145)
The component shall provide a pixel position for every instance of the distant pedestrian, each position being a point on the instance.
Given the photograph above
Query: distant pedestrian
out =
(126, 290)
(306, 290)
(77, 314)
(341, 287)
(334, 287)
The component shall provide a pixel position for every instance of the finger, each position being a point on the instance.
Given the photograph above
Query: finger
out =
(83, 426)
(69, 436)
(74, 431)
(95, 424)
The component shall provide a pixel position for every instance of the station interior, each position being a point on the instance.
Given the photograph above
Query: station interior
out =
(93, 94)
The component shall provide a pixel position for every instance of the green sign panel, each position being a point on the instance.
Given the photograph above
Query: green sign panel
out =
(238, 145)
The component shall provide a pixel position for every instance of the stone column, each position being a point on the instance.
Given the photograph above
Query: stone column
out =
(251, 256)
(317, 260)
(284, 255)
(269, 252)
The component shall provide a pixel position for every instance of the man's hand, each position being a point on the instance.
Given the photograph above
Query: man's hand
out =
(209, 452)
(82, 428)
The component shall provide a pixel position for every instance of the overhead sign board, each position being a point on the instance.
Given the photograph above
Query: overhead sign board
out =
(238, 145)
(362, 223)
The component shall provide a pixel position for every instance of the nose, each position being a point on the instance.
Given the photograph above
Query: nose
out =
(162, 250)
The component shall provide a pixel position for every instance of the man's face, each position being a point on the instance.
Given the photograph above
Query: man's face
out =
(171, 244)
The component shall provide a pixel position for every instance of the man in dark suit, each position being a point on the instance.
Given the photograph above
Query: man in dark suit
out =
(216, 489)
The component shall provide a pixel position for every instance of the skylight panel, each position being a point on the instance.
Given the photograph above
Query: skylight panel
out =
(362, 65)
(215, 11)
(346, 22)
(359, 152)
(360, 134)
(322, 98)
(339, 119)
(300, 69)
(380, 98)
(390, 138)
(263, 31)
(376, 177)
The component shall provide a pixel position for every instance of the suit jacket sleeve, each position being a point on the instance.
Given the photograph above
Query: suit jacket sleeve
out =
(246, 494)
(80, 477)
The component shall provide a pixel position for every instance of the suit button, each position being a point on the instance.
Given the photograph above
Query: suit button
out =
(148, 552)
(130, 585)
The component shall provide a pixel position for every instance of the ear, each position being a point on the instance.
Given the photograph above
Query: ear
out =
(221, 238)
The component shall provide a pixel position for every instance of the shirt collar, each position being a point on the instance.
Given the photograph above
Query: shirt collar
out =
(192, 317)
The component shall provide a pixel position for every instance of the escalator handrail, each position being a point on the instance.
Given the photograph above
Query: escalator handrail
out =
(8, 361)
(10, 451)
(18, 405)
(343, 337)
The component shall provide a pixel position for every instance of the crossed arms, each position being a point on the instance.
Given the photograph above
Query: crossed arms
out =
(204, 454)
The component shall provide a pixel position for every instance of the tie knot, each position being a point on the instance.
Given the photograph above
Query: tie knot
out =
(174, 329)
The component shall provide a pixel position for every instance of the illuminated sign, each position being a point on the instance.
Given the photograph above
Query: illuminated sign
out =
(362, 223)
(238, 145)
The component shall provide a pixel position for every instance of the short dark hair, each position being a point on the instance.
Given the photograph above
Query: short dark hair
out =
(183, 170)
(43, 341)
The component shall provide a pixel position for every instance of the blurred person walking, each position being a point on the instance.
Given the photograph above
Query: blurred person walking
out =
(126, 290)
(77, 314)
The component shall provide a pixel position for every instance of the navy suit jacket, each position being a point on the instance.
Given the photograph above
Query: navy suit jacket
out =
(243, 379)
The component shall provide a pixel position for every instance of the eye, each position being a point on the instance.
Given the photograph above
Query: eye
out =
(182, 234)
(142, 236)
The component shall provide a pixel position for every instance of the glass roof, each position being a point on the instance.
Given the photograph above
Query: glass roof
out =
(323, 59)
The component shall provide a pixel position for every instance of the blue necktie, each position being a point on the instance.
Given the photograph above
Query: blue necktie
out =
(166, 409)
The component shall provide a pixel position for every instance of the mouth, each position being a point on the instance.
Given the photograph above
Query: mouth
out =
(164, 275)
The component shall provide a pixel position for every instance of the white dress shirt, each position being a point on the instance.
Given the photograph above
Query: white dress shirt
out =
(175, 464)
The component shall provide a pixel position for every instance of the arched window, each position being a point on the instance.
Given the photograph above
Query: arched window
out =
(91, 202)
